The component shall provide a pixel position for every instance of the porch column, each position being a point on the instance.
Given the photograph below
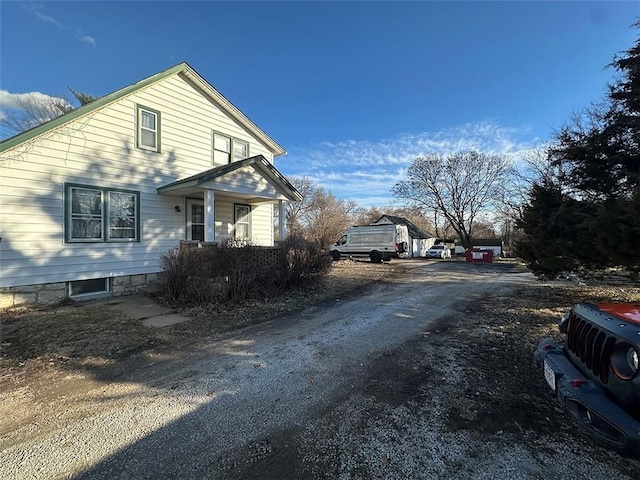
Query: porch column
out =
(209, 216)
(282, 217)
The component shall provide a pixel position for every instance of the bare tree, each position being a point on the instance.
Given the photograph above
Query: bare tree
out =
(365, 216)
(296, 211)
(23, 111)
(459, 186)
(534, 167)
(320, 216)
(328, 217)
(29, 110)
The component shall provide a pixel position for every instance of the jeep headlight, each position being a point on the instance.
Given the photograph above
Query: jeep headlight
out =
(624, 361)
(632, 359)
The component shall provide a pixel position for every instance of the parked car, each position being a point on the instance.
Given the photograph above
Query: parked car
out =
(439, 251)
(595, 372)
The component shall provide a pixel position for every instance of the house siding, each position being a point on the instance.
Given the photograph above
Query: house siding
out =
(99, 149)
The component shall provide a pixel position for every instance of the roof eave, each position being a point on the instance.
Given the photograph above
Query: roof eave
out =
(194, 76)
(258, 161)
(205, 86)
(84, 109)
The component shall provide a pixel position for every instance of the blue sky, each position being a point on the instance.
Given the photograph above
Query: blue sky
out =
(354, 91)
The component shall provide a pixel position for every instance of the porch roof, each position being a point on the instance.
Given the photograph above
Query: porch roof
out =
(213, 179)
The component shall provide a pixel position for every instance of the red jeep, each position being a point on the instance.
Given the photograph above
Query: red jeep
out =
(595, 373)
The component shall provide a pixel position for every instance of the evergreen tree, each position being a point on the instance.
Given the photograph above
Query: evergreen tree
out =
(594, 220)
(83, 98)
(556, 234)
(602, 146)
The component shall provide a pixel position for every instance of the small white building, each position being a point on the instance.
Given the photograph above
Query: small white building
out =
(90, 200)
(419, 240)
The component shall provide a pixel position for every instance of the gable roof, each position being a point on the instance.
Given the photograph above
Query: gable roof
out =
(182, 68)
(258, 162)
(414, 230)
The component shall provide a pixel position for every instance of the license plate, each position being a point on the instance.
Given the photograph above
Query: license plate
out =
(549, 376)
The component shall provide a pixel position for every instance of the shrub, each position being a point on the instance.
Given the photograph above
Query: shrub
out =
(236, 266)
(186, 278)
(225, 273)
(233, 271)
(303, 261)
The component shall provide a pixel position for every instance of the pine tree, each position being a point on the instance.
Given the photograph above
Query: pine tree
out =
(83, 98)
(594, 219)
(602, 146)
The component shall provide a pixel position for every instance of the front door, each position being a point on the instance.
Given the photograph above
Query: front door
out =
(195, 220)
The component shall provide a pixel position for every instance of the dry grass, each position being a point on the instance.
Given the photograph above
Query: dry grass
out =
(71, 333)
(495, 335)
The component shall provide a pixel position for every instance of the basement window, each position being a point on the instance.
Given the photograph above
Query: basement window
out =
(88, 287)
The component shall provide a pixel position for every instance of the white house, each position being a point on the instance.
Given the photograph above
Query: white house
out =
(419, 240)
(89, 201)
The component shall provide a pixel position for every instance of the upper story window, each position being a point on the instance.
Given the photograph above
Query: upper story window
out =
(227, 149)
(148, 128)
(240, 149)
(97, 214)
(221, 149)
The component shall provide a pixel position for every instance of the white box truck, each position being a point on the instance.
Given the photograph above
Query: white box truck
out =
(378, 242)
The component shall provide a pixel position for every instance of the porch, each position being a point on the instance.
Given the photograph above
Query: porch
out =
(234, 201)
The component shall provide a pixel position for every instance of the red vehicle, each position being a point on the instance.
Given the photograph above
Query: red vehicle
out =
(595, 372)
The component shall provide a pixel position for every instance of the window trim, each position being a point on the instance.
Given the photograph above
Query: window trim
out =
(235, 221)
(189, 224)
(105, 214)
(213, 148)
(232, 144)
(139, 110)
(95, 293)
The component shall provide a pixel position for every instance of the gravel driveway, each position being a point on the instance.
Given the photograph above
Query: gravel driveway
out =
(353, 388)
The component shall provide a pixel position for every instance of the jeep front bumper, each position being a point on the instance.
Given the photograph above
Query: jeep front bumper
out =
(587, 402)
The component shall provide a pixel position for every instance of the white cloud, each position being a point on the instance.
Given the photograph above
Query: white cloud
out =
(366, 171)
(36, 9)
(48, 19)
(10, 101)
(85, 38)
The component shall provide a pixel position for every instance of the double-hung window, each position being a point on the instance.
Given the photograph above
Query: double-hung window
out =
(242, 219)
(227, 149)
(96, 214)
(221, 149)
(148, 128)
(240, 149)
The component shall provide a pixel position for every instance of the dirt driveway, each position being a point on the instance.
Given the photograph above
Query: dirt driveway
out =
(427, 374)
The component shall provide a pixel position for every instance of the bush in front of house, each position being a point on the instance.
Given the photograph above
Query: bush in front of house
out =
(233, 271)
(186, 279)
(238, 271)
(303, 262)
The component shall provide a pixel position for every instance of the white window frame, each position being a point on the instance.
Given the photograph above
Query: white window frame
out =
(140, 128)
(233, 144)
(104, 217)
(86, 217)
(190, 204)
(132, 218)
(77, 283)
(237, 222)
(216, 148)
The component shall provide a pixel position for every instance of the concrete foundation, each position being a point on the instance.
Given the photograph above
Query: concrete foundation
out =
(47, 294)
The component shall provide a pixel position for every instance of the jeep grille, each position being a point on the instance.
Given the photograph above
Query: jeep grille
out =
(591, 345)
